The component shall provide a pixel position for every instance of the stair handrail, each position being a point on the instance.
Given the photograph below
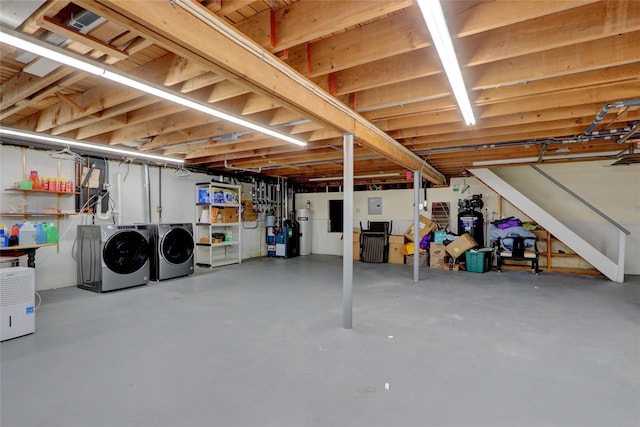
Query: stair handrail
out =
(581, 200)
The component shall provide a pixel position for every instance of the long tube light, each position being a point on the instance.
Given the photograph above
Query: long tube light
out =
(434, 18)
(336, 178)
(62, 56)
(33, 136)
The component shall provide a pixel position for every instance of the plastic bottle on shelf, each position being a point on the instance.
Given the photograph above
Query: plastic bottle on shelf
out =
(27, 234)
(4, 239)
(41, 234)
(45, 183)
(33, 178)
(52, 233)
(13, 236)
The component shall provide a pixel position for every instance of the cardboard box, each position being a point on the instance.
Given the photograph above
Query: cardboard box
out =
(451, 267)
(461, 245)
(229, 215)
(426, 227)
(214, 214)
(437, 263)
(437, 254)
(408, 259)
(249, 213)
(395, 249)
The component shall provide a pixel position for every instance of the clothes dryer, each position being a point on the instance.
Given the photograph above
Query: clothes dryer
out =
(111, 257)
(172, 247)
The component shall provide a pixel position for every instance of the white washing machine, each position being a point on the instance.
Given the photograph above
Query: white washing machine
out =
(172, 248)
(111, 257)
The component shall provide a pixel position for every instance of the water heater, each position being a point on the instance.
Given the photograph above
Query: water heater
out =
(303, 218)
(17, 308)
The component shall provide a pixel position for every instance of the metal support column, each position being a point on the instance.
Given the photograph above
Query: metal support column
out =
(347, 233)
(416, 226)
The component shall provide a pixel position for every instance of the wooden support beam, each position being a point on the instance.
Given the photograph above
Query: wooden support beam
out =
(177, 30)
(22, 85)
(48, 9)
(84, 39)
(306, 21)
(395, 69)
(225, 90)
(182, 70)
(399, 33)
(611, 51)
(73, 104)
(491, 15)
(42, 94)
(239, 149)
(590, 22)
(192, 134)
(108, 120)
(200, 81)
(256, 103)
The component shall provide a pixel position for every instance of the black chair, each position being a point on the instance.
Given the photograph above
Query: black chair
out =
(374, 241)
(519, 251)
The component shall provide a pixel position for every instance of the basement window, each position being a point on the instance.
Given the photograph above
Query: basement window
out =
(335, 216)
(440, 214)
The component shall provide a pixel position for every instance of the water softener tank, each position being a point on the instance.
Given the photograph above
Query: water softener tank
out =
(303, 218)
(472, 222)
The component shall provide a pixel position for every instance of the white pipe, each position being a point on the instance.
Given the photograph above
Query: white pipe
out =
(118, 213)
(147, 195)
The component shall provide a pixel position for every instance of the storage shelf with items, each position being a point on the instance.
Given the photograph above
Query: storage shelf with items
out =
(38, 201)
(217, 227)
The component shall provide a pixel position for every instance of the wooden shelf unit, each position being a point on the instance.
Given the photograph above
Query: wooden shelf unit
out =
(553, 261)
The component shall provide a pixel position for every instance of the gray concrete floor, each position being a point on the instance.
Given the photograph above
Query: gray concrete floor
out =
(261, 344)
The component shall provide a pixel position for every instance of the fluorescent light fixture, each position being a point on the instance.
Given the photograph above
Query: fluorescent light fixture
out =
(437, 25)
(57, 54)
(336, 178)
(535, 159)
(32, 136)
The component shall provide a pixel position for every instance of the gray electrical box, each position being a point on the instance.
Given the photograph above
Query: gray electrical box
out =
(375, 206)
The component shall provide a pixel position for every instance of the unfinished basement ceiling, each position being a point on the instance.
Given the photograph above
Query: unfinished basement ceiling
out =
(538, 73)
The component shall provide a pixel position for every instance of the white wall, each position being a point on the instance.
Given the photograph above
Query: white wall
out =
(397, 206)
(56, 266)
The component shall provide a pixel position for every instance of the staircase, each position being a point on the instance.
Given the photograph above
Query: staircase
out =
(604, 263)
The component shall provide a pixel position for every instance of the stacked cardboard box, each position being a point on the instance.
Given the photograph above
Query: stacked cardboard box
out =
(395, 249)
(426, 227)
(409, 259)
(437, 255)
(461, 245)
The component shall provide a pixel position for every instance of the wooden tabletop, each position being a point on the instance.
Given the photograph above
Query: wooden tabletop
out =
(24, 247)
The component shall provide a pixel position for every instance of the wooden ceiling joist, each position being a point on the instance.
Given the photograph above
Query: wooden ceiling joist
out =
(177, 30)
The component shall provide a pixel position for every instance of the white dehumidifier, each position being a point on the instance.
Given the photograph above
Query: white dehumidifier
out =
(17, 308)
